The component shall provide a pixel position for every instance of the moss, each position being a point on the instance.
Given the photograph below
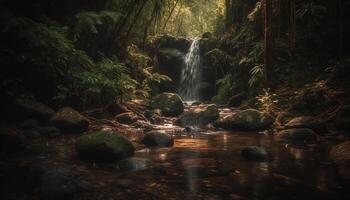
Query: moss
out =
(170, 104)
(104, 146)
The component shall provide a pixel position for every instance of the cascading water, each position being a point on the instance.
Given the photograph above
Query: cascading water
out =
(191, 73)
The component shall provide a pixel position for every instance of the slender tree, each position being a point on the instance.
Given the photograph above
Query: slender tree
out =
(340, 28)
(268, 42)
(291, 24)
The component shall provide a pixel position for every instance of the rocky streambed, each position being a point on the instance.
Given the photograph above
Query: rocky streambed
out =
(172, 150)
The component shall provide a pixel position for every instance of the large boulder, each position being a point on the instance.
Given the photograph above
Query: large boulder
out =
(170, 104)
(199, 116)
(181, 44)
(306, 122)
(340, 155)
(30, 109)
(158, 139)
(256, 154)
(297, 135)
(246, 120)
(103, 147)
(69, 120)
(127, 118)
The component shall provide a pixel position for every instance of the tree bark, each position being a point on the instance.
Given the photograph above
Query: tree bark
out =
(340, 28)
(268, 43)
(291, 24)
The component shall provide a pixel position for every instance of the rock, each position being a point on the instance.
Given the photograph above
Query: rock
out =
(29, 109)
(135, 164)
(306, 122)
(284, 117)
(246, 120)
(49, 131)
(207, 35)
(340, 155)
(236, 101)
(170, 104)
(127, 118)
(256, 154)
(199, 116)
(62, 184)
(158, 139)
(297, 135)
(207, 44)
(170, 62)
(69, 120)
(103, 147)
(154, 116)
(30, 124)
(181, 44)
(10, 141)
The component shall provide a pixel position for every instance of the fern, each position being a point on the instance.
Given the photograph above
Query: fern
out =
(89, 21)
(256, 76)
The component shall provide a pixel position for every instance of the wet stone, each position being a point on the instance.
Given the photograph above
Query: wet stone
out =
(297, 135)
(134, 164)
(256, 154)
(158, 139)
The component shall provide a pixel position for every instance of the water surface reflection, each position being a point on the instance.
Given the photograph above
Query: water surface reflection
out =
(209, 166)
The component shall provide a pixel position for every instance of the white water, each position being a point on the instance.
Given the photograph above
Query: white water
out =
(191, 74)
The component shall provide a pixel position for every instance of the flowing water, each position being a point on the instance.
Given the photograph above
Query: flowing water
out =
(191, 73)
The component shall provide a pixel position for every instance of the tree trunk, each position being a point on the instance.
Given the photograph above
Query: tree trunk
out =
(291, 24)
(170, 14)
(340, 28)
(228, 13)
(268, 43)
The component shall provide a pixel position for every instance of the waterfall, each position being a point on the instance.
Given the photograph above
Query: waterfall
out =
(191, 73)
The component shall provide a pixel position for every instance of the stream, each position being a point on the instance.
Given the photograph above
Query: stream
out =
(202, 164)
(209, 165)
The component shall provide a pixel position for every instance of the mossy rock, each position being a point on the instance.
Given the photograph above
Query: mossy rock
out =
(158, 139)
(199, 117)
(170, 104)
(103, 147)
(69, 120)
(246, 120)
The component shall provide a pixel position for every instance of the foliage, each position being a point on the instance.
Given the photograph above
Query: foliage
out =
(225, 90)
(267, 102)
(256, 76)
(48, 51)
(143, 70)
(311, 12)
(89, 21)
